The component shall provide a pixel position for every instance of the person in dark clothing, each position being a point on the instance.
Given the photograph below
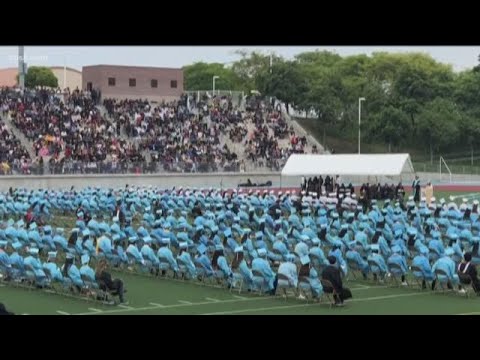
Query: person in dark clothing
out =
(416, 189)
(332, 274)
(104, 279)
(4, 311)
(467, 273)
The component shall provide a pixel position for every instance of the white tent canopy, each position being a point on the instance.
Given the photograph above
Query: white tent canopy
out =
(348, 164)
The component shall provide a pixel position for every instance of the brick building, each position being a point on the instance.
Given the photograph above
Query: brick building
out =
(134, 82)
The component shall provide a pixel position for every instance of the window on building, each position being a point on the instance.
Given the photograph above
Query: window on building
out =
(154, 83)
(173, 84)
(132, 82)
(111, 81)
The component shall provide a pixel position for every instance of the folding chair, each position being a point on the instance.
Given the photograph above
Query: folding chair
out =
(353, 267)
(200, 272)
(443, 284)
(467, 284)
(304, 287)
(395, 270)
(276, 262)
(375, 269)
(182, 268)
(330, 295)
(237, 277)
(284, 284)
(419, 279)
(30, 274)
(258, 279)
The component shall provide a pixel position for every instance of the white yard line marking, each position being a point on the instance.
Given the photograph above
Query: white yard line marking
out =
(63, 312)
(125, 306)
(212, 299)
(185, 302)
(25, 314)
(470, 313)
(305, 305)
(157, 305)
(239, 297)
(362, 286)
(95, 310)
(114, 311)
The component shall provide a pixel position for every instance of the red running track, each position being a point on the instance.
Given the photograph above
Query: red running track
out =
(446, 188)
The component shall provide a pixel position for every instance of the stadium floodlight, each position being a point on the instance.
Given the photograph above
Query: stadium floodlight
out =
(215, 77)
(359, 119)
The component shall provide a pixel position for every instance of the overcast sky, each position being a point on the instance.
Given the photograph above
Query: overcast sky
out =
(461, 57)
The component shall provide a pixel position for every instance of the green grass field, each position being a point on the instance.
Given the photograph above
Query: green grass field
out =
(159, 296)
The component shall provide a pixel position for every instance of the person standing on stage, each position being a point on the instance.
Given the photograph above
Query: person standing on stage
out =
(416, 189)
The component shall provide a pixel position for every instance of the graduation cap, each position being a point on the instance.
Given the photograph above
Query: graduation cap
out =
(116, 237)
(183, 245)
(147, 239)
(453, 236)
(20, 223)
(449, 251)
(259, 234)
(33, 226)
(262, 252)
(396, 249)
(52, 254)
(423, 250)
(201, 248)
(218, 247)
(290, 257)
(10, 222)
(33, 251)
(305, 259)
(3, 243)
(85, 259)
(16, 245)
(133, 238)
(238, 249)
(337, 243)
(199, 227)
(374, 247)
(228, 232)
(165, 241)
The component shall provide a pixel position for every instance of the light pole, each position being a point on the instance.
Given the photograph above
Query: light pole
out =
(64, 72)
(359, 120)
(214, 78)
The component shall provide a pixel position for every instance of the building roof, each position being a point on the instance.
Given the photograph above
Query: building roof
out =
(348, 164)
(132, 67)
(62, 67)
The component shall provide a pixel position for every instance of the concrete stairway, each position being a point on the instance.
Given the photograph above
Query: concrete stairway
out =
(19, 135)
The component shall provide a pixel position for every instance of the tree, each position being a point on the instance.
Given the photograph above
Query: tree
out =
(285, 82)
(392, 126)
(40, 76)
(438, 124)
(252, 66)
(199, 76)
